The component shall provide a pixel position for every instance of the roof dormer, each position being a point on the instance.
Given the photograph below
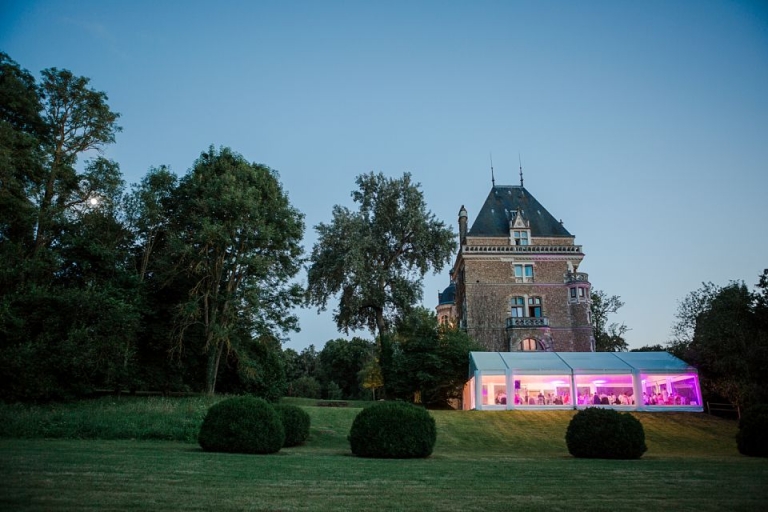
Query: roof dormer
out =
(519, 229)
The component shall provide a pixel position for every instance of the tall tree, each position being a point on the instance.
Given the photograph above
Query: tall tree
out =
(426, 360)
(609, 337)
(77, 119)
(374, 258)
(729, 340)
(21, 130)
(342, 360)
(238, 238)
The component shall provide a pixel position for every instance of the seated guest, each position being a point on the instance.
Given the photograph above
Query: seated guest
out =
(596, 399)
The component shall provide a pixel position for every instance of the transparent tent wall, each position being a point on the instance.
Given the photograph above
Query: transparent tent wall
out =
(494, 390)
(670, 389)
(542, 390)
(604, 390)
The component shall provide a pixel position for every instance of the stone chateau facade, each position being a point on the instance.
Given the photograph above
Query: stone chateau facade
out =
(515, 284)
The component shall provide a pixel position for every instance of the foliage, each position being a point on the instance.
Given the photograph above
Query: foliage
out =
(296, 422)
(426, 358)
(333, 391)
(256, 368)
(608, 337)
(307, 387)
(303, 364)
(243, 424)
(373, 259)
(723, 331)
(393, 430)
(371, 376)
(650, 348)
(596, 433)
(69, 308)
(341, 361)
(753, 424)
(238, 239)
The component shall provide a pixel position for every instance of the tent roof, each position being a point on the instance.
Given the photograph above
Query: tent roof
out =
(595, 362)
(535, 362)
(576, 362)
(655, 361)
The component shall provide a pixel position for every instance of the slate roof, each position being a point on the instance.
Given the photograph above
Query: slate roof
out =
(447, 296)
(500, 206)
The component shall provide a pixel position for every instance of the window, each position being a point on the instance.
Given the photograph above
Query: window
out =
(573, 293)
(534, 307)
(581, 292)
(521, 237)
(517, 307)
(529, 344)
(524, 273)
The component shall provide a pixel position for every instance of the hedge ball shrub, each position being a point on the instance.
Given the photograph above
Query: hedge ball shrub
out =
(243, 424)
(295, 422)
(393, 430)
(597, 433)
(751, 439)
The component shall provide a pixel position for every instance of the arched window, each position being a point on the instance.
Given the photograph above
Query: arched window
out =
(529, 344)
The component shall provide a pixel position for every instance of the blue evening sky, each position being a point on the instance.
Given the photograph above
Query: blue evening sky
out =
(642, 125)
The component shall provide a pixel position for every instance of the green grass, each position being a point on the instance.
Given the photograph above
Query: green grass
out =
(513, 460)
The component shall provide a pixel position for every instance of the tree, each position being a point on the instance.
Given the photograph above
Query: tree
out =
(729, 341)
(650, 348)
(608, 337)
(77, 119)
(371, 376)
(427, 360)
(238, 239)
(342, 360)
(21, 129)
(374, 258)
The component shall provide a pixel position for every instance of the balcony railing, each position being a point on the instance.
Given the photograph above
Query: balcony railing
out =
(575, 277)
(522, 248)
(527, 322)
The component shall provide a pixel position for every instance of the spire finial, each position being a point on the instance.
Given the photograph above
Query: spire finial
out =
(493, 179)
(521, 169)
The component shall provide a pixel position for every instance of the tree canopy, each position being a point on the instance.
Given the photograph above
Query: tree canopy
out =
(374, 258)
(609, 337)
(723, 331)
(170, 287)
(426, 360)
(238, 239)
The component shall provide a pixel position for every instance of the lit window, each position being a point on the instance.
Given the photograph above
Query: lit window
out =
(529, 344)
(521, 237)
(517, 307)
(534, 307)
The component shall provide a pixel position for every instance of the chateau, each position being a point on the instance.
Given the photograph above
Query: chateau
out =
(515, 285)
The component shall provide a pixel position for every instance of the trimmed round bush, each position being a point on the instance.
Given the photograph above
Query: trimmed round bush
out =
(295, 423)
(393, 430)
(597, 433)
(244, 424)
(751, 439)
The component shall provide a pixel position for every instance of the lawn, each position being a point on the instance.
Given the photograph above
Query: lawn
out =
(482, 461)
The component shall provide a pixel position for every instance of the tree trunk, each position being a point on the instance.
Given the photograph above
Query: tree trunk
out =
(214, 359)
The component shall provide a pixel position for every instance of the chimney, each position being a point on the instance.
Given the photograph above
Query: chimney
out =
(462, 225)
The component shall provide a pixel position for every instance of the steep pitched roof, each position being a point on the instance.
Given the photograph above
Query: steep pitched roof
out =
(500, 207)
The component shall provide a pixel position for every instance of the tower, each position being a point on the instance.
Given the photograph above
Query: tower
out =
(517, 285)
